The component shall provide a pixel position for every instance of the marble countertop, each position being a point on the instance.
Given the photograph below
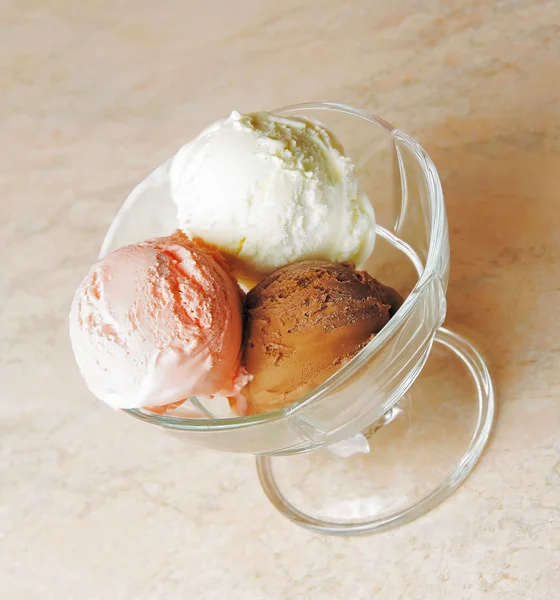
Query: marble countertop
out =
(93, 96)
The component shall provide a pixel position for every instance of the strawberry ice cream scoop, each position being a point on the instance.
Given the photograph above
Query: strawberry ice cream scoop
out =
(156, 322)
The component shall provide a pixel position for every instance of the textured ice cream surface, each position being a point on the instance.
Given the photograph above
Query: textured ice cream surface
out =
(269, 190)
(303, 322)
(155, 322)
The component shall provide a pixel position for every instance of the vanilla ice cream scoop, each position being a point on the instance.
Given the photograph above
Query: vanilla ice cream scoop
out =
(156, 322)
(269, 190)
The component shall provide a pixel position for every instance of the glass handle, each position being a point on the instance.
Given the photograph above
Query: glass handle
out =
(361, 443)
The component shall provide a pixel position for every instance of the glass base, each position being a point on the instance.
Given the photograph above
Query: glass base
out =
(416, 458)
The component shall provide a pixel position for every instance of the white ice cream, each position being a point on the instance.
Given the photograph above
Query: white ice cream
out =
(272, 190)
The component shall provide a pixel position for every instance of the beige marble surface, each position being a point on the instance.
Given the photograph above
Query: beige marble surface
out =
(93, 95)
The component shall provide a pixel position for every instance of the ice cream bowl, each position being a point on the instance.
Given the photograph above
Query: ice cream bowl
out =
(399, 426)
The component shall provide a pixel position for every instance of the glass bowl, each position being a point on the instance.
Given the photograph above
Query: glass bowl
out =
(374, 450)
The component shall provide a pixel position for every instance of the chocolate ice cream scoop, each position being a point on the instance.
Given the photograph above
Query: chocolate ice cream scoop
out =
(303, 322)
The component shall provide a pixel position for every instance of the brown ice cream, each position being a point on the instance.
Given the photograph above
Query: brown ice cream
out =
(304, 321)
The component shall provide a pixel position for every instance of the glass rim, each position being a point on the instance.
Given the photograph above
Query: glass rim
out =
(435, 199)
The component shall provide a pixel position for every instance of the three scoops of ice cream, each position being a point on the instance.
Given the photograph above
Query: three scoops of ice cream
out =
(266, 201)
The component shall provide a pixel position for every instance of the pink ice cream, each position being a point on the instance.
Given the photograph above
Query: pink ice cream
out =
(157, 322)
